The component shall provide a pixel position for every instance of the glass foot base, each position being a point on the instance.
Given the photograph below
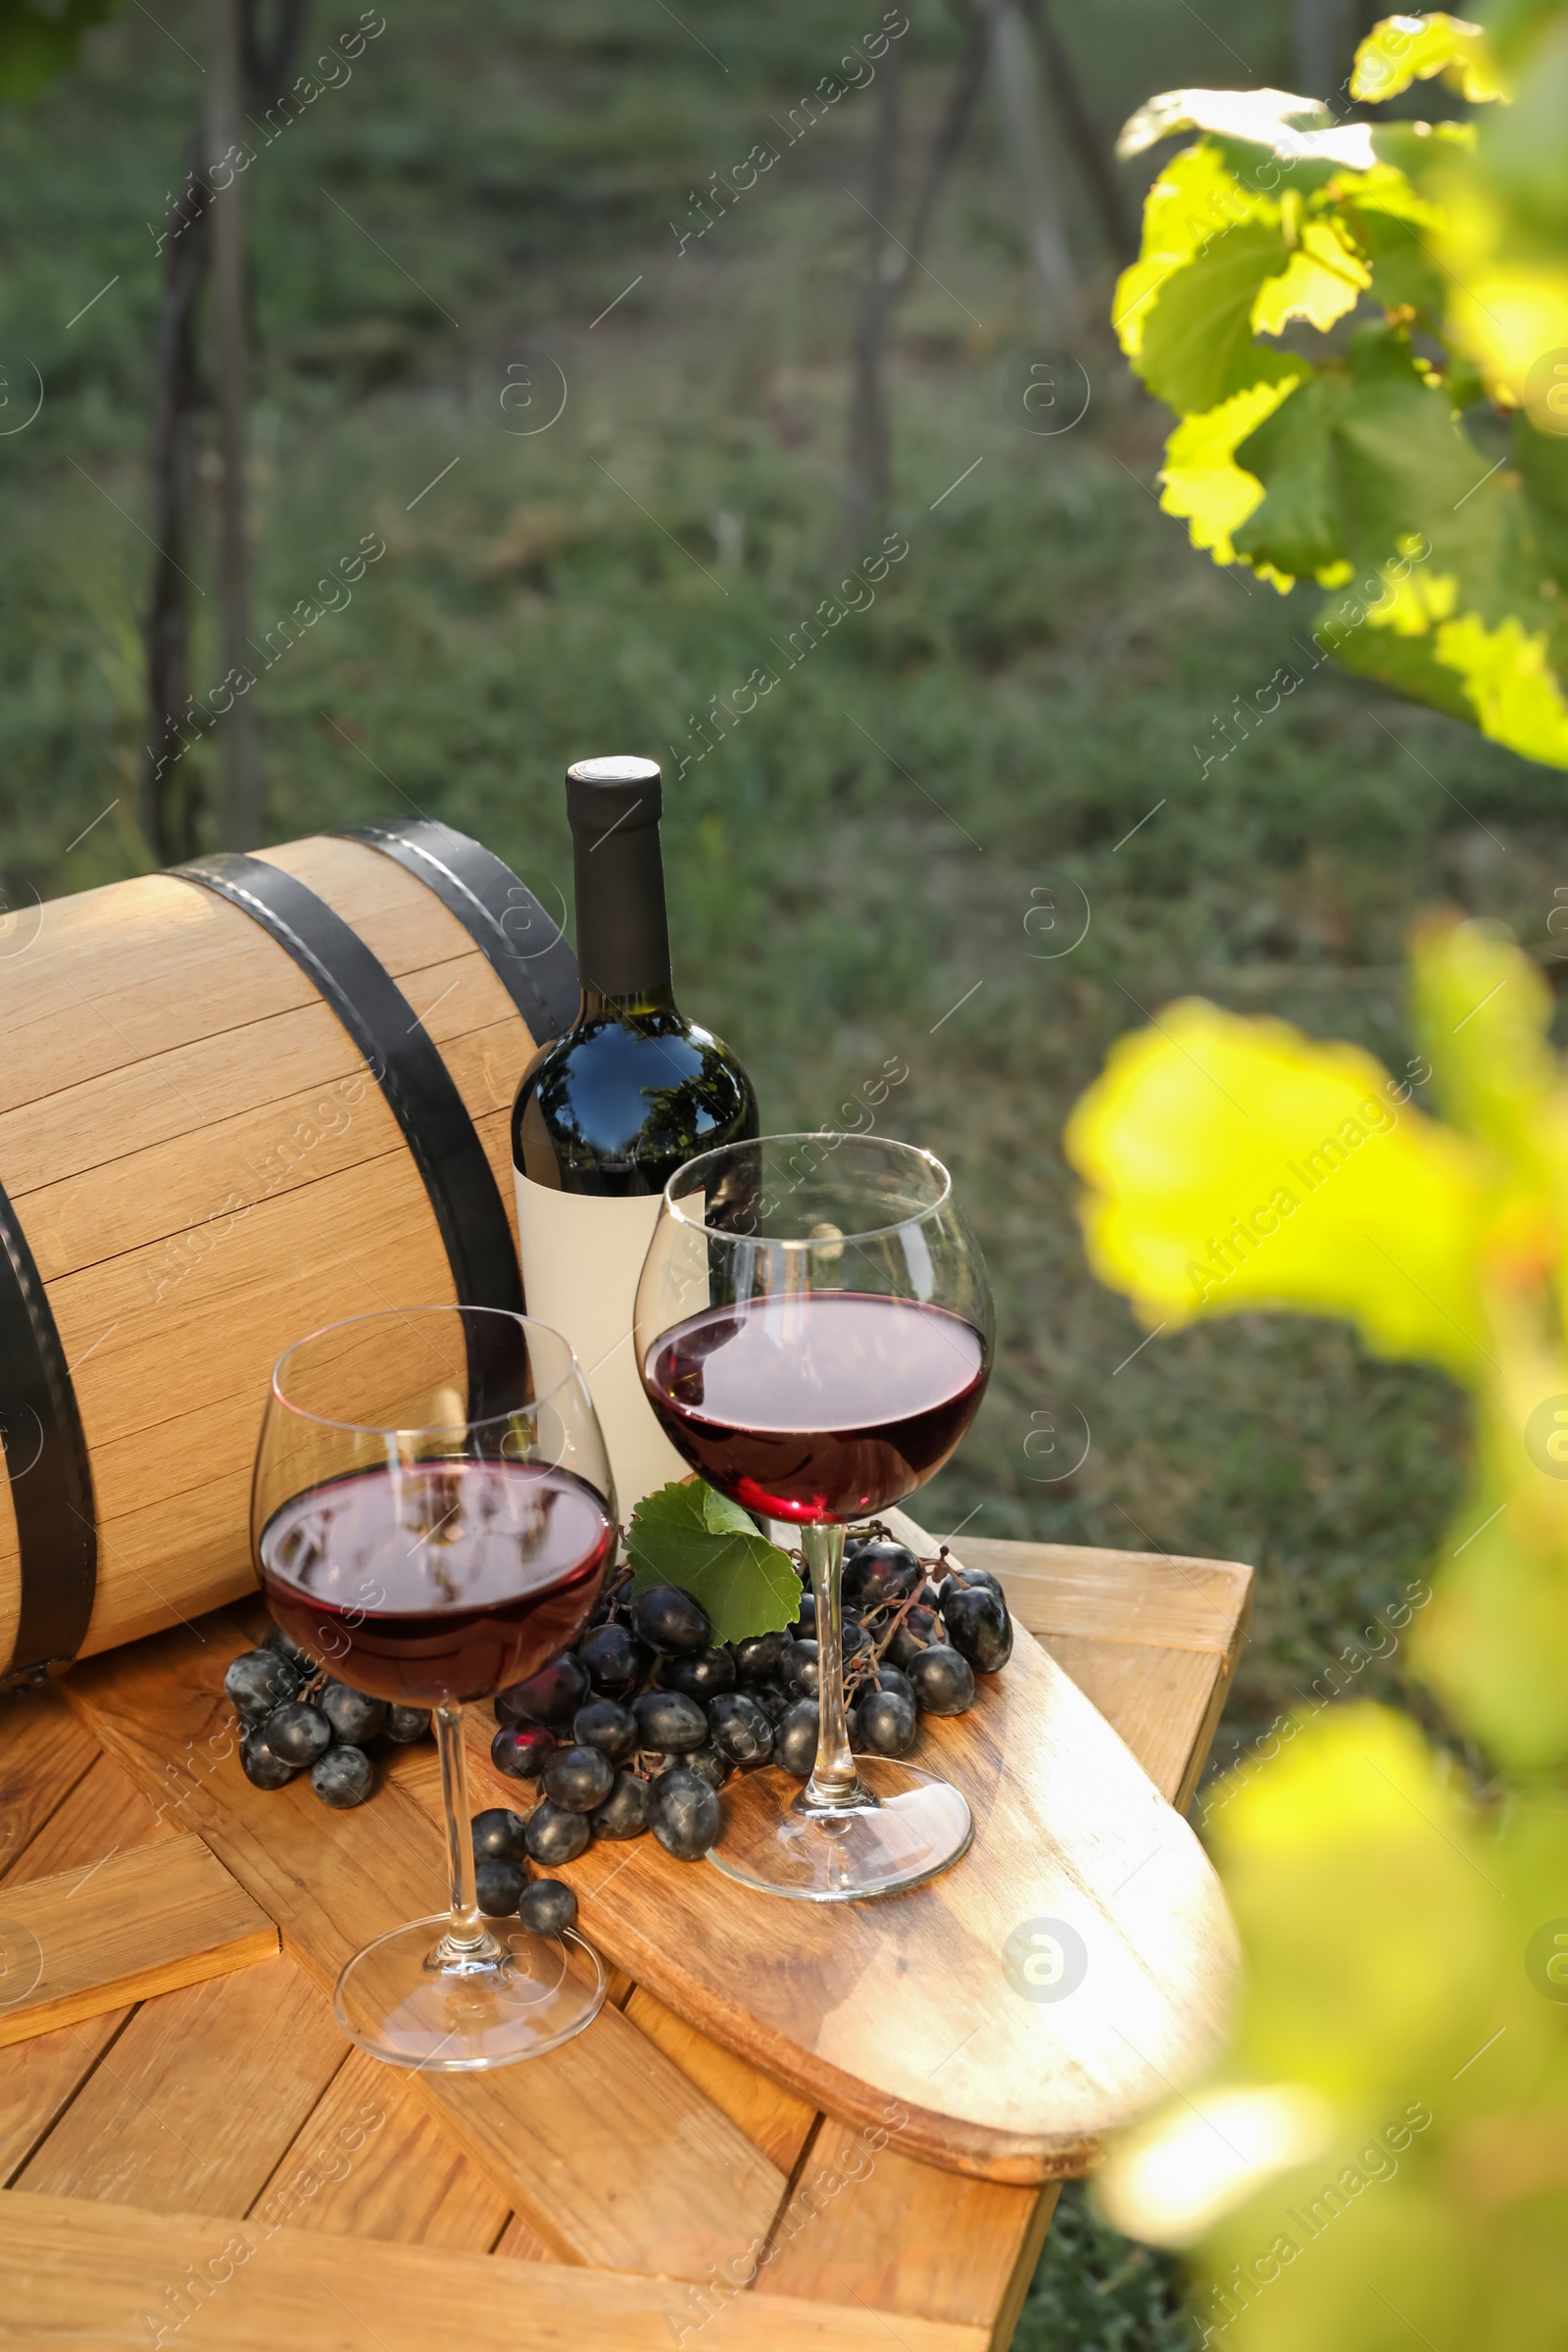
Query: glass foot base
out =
(524, 1994)
(912, 1826)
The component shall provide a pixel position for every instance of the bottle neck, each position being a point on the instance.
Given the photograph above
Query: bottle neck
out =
(640, 1004)
(622, 930)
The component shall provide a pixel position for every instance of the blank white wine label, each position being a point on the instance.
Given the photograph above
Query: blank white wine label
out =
(581, 1259)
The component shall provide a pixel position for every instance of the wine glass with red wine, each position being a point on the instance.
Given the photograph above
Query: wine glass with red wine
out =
(432, 1517)
(814, 1331)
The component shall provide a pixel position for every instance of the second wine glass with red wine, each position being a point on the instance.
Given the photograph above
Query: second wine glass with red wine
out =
(813, 1330)
(432, 1518)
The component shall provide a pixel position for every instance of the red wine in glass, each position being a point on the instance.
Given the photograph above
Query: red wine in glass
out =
(438, 1580)
(822, 1406)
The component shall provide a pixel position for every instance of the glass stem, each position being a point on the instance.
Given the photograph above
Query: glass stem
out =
(834, 1781)
(465, 1926)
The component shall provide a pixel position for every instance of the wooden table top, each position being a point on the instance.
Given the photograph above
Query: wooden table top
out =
(184, 2134)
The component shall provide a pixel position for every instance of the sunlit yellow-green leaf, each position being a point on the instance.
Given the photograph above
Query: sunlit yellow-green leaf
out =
(1202, 482)
(1509, 678)
(1274, 120)
(1482, 1011)
(1495, 1640)
(1324, 278)
(1236, 1163)
(1406, 49)
(1196, 200)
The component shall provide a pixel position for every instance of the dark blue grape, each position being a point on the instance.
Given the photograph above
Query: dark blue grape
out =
(886, 1724)
(770, 1699)
(880, 1572)
(685, 1813)
(802, 1671)
(261, 1767)
(624, 1812)
(553, 1695)
(497, 1883)
(944, 1680)
(707, 1761)
(405, 1725)
(891, 1678)
(276, 1640)
(795, 1737)
(702, 1674)
(668, 1719)
(740, 1727)
(957, 1579)
(499, 1834)
(669, 1621)
(258, 1681)
(355, 1717)
(579, 1778)
(549, 1907)
(556, 1835)
(978, 1626)
(342, 1778)
(759, 1656)
(522, 1751)
(605, 1724)
(615, 1660)
(920, 1626)
(295, 1732)
(806, 1619)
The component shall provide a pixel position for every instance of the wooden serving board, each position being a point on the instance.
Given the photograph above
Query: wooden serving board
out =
(659, 2187)
(919, 2003)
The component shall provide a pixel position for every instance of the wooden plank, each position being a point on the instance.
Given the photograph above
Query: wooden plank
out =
(136, 1923)
(204, 2088)
(519, 2244)
(104, 1813)
(1156, 1596)
(1157, 1699)
(43, 1753)
(1068, 1827)
(867, 2224)
(39, 2078)
(772, 2118)
(371, 2161)
(80, 2272)
(604, 2147)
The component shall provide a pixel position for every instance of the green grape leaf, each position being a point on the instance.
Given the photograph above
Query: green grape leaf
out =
(688, 1534)
(1194, 202)
(1324, 277)
(1296, 526)
(1508, 676)
(1405, 49)
(1406, 466)
(1273, 120)
(1197, 346)
(1201, 479)
(1405, 664)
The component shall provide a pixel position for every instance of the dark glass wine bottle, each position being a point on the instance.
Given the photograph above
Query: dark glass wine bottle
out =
(608, 1113)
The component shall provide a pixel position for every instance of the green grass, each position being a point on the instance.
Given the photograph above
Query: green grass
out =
(851, 865)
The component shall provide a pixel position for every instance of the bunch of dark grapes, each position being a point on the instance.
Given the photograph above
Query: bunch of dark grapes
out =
(294, 1718)
(642, 1724)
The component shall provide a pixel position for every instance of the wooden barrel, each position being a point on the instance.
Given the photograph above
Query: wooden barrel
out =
(237, 1102)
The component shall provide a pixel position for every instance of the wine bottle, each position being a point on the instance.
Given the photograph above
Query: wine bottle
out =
(608, 1113)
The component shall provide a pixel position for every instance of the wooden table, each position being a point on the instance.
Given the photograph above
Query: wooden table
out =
(192, 2155)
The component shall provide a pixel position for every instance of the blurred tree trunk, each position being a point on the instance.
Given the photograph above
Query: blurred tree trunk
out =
(1093, 150)
(242, 798)
(1034, 168)
(1324, 39)
(870, 460)
(252, 63)
(890, 268)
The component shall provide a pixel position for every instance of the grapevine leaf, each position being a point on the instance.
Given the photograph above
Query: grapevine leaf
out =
(1296, 526)
(1509, 678)
(1405, 49)
(1194, 201)
(688, 1534)
(1406, 464)
(1202, 481)
(1323, 278)
(1236, 1164)
(1482, 1009)
(1406, 662)
(1273, 120)
(1197, 346)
